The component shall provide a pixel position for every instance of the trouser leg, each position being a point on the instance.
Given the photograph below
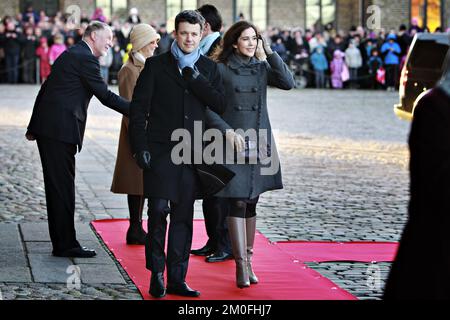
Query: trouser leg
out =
(58, 164)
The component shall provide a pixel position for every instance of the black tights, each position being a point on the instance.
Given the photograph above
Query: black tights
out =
(241, 208)
(135, 206)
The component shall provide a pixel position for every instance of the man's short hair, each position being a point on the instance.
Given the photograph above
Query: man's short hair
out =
(95, 26)
(212, 16)
(190, 16)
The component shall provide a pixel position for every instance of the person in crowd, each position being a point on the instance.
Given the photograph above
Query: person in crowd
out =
(117, 55)
(374, 64)
(2, 53)
(317, 40)
(404, 39)
(29, 56)
(105, 63)
(30, 16)
(391, 52)
(12, 42)
(44, 63)
(426, 231)
(57, 48)
(133, 16)
(298, 47)
(215, 210)
(58, 122)
(414, 26)
(336, 43)
(320, 65)
(279, 47)
(246, 78)
(70, 42)
(172, 92)
(354, 62)
(337, 67)
(98, 15)
(128, 177)
(123, 35)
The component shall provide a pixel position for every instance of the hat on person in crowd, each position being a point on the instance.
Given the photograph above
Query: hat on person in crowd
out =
(391, 36)
(141, 35)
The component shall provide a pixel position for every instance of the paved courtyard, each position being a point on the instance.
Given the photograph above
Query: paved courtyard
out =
(344, 161)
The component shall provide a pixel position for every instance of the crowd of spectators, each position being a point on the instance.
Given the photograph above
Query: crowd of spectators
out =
(31, 41)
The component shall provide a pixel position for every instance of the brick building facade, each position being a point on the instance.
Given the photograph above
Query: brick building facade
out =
(281, 13)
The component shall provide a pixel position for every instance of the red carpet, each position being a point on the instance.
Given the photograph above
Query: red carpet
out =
(280, 277)
(311, 251)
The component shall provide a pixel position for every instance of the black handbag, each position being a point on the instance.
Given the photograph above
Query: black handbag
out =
(213, 178)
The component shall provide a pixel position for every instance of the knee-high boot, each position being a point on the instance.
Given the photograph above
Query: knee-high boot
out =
(135, 234)
(238, 237)
(250, 224)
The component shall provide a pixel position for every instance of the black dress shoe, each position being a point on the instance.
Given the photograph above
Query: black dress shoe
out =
(157, 289)
(79, 252)
(182, 289)
(219, 256)
(205, 251)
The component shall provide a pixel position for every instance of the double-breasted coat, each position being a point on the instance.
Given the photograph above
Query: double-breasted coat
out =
(167, 101)
(128, 177)
(246, 108)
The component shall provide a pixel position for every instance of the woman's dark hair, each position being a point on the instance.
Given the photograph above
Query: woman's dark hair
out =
(223, 52)
(190, 16)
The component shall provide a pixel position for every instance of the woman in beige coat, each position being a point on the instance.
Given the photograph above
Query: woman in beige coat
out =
(128, 177)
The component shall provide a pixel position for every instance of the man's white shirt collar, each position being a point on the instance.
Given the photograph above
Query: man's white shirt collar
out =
(89, 47)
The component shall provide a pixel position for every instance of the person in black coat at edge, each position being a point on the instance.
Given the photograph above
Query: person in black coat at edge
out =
(57, 124)
(172, 92)
(421, 269)
(215, 210)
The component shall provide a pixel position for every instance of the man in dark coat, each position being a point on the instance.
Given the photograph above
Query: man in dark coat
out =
(215, 210)
(58, 123)
(172, 93)
(421, 269)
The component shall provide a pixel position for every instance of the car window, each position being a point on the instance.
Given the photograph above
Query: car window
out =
(428, 55)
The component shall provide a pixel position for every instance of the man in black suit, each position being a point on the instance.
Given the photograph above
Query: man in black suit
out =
(58, 123)
(172, 93)
(215, 210)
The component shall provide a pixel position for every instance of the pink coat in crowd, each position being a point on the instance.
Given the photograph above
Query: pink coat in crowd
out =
(337, 66)
(42, 53)
(55, 51)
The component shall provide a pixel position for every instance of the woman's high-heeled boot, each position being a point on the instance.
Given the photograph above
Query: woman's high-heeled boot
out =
(238, 237)
(135, 234)
(250, 224)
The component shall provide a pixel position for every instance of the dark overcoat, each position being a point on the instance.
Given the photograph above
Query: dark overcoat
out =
(421, 269)
(60, 109)
(165, 101)
(246, 108)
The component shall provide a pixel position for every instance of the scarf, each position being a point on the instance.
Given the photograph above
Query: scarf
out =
(183, 59)
(207, 42)
(139, 57)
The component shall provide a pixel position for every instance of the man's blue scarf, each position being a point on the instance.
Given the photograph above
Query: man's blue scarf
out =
(183, 59)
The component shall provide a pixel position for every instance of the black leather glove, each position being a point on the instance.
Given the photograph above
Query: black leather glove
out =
(143, 159)
(189, 73)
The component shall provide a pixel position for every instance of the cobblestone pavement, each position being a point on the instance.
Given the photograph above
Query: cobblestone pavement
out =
(344, 161)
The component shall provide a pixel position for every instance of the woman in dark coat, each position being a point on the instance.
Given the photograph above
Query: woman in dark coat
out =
(245, 79)
(421, 269)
